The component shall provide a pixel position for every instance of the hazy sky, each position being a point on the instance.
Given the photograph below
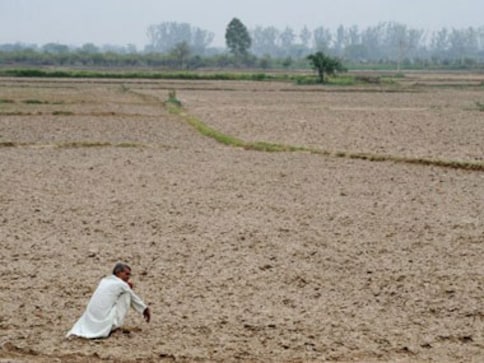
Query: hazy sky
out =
(121, 22)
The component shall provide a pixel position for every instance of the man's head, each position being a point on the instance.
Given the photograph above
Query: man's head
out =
(123, 271)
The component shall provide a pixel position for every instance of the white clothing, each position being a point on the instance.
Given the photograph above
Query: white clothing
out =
(107, 309)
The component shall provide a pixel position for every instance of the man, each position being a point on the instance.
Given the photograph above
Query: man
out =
(109, 305)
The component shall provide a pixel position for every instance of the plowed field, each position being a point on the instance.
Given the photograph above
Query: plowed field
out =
(245, 255)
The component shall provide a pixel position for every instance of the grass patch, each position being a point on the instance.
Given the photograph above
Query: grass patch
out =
(62, 113)
(6, 100)
(343, 80)
(75, 144)
(480, 106)
(368, 79)
(7, 144)
(271, 147)
(19, 113)
(172, 99)
(79, 144)
(124, 88)
(340, 80)
(306, 80)
(35, 102)
(129, 144)
(205, 130)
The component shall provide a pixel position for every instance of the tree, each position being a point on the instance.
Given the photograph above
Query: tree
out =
(372, 38)
(395, 41)
(237, 38)
(339, 43)
(440, 43)
(55, 48)
(167, 35)
(325, 65)
(89, 48)
(305, 36)
(287, 38)
(181, 53)
(464, 43)
(264, 41)
(353, 36)
(322, 38)
(201, 40)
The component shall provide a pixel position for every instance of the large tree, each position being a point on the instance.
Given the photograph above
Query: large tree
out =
(237, 38)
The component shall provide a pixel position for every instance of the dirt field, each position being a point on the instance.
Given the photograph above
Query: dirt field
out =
(244, 255)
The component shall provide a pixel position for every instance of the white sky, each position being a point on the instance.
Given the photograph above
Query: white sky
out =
(120, 22)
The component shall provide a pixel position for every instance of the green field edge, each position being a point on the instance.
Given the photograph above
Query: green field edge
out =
(385, 82)
(182, 75)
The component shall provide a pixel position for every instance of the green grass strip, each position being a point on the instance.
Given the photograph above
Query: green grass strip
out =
(74, 144)
(180, 75)
(8, 144)
(206, 130)
(230, 76)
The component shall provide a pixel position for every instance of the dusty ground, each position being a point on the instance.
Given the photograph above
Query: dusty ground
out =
(243, 255)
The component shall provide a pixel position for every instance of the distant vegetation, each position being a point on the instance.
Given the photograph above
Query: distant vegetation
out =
(186, 75)
(184, 47)
(296, 77)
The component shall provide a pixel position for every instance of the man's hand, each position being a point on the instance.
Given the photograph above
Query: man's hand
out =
(130, 283)
(147, 315)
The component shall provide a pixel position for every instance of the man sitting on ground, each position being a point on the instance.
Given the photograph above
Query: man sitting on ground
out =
(109, 305)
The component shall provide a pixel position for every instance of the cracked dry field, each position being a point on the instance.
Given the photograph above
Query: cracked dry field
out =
(244, 255)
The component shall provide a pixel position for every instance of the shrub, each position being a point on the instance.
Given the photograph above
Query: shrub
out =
(172, 99)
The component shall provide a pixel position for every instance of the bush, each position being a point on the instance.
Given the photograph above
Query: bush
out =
(325, 65)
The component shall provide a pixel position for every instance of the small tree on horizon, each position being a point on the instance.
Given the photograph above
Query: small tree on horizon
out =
(237, 38)
(325, 65)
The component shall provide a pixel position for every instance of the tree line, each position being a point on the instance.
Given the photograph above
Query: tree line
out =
(181, 45)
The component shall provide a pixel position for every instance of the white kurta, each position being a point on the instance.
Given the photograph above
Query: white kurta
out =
(107, 309)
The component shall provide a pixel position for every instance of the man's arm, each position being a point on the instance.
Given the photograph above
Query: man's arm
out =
(138, 304)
